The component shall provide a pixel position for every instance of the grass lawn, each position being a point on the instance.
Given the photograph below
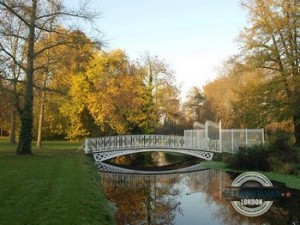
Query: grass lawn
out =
(56, 185)
(290, 180)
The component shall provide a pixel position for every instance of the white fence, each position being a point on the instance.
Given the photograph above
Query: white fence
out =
(233, 139)
(230, 140)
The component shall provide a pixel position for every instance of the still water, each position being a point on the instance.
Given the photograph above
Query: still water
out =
(187, 199)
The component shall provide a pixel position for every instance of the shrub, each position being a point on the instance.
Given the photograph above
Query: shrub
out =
(282, 157)
(222, 157)
(275, 163)
(250, 158)
(282, 150)
(278, 156)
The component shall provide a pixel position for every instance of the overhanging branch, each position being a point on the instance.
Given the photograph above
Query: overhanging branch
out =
(12, 57)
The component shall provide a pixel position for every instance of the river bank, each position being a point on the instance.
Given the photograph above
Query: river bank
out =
(290, 180)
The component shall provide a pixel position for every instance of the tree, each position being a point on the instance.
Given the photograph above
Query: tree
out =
(11, 72)
(249, 105)
(271, 42)
(218, 98)
(116, 98)
(37, 17)
(61, 66)
(163, 94)
(193, 105)
(5, 106)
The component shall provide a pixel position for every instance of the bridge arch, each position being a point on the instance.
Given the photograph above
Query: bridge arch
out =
(101, 156)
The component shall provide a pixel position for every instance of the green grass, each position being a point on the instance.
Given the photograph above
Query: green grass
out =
(46, 146)
(290, 180)
(56, 185)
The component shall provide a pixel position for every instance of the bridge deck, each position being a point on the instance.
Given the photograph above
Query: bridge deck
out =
(105, 148)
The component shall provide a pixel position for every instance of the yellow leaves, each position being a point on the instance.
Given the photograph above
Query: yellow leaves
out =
(271, 42)
(114, 91)
(234, 95)
(79, 89)
(109, 95)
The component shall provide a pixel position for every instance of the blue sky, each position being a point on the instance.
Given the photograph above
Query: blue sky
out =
(193, 36)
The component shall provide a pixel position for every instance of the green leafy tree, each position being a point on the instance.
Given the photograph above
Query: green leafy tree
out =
(271, 42)
(163, 94)
(194, 104)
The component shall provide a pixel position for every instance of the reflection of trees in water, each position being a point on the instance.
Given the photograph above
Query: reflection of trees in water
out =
(142, 199)
(285, 211)
(153, 159)
(281, 212)
(153, 199)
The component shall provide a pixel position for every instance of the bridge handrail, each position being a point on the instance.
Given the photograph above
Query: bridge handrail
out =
(110, 143)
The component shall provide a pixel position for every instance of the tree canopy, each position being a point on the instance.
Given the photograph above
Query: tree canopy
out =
(57, 82)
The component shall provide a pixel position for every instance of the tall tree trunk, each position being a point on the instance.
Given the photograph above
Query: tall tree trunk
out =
(41, 118)
(296, 121)
(42, 107)
(25, 138)
(12, 133)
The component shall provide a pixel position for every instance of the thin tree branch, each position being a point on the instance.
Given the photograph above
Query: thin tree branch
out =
(11, 56)
(10, 8)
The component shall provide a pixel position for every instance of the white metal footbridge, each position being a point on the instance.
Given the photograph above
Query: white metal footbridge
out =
(201, 143)
(104, 148)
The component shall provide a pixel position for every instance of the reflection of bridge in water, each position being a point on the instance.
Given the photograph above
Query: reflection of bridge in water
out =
(200, 178)
(104, 167)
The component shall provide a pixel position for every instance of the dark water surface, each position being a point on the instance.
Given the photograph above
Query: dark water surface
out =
(187, 199)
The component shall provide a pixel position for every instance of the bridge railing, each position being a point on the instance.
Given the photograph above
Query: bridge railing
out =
(147, 141)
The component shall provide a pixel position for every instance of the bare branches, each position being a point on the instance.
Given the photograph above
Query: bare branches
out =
(11, 8)
(26, 30)
(45, 22)
(11, 56)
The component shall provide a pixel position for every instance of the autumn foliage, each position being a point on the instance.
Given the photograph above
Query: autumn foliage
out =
(71, 88)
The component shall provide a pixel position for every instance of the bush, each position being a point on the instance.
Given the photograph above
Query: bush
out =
(222, 157)
(282, 150)
(275, 163)
(278, 156)
(250, 158)
(282, 156)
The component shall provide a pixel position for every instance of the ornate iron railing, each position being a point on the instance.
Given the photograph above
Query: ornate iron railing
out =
(124, 142)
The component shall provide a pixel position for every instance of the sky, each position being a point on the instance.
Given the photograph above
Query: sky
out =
(194, 37)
